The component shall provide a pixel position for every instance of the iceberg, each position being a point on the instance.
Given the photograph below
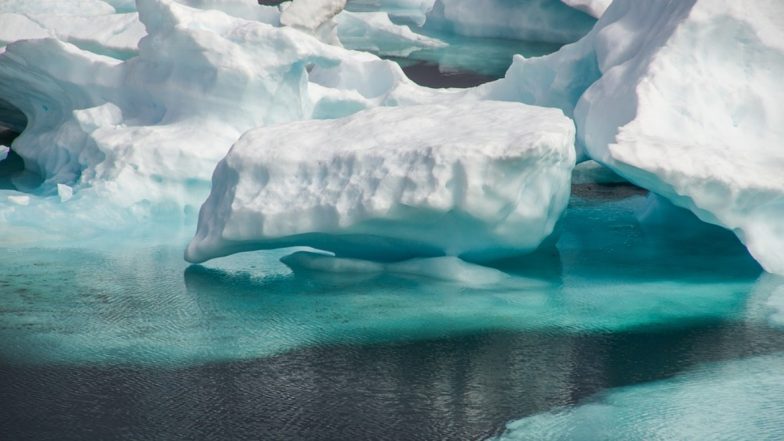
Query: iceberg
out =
(682, 99)
(142, 135)
(92, 25)
(479, 181)
(375, 32)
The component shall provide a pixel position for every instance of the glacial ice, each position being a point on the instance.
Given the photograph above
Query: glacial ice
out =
(113, 115)
(477, 180)
(450, 269)
(375, 32)
(314, 16)
(594, 8)
(92, 25)
(535, 20)
(690, 108)
(142, 136)
(682, 99)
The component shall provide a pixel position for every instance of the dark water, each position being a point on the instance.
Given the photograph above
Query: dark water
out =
(460, 388)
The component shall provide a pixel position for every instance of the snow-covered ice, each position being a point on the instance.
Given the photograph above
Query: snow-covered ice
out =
(143, 135)
(375, 32)
(681, 98)
(594, 8)
(478, 181)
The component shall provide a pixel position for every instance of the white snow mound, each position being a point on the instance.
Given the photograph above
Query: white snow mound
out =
(477, 181)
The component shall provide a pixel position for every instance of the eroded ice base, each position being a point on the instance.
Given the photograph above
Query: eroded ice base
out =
(608, 273)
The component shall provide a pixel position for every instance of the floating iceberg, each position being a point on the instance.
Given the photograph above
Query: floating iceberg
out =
(690, 108)
(594, 8)
(145, 133)
(478, 181)
(681, 98)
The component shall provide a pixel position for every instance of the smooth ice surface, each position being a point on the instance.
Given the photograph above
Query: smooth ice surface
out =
(534, 20)
(478, 181)
(695, 110)
(732, 400)
(143, 304)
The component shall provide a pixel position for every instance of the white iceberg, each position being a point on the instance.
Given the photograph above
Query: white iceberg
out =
(375, 32)
(681, 98)
(314, 16)
(143, 135)
(92, 25)
(478, 181)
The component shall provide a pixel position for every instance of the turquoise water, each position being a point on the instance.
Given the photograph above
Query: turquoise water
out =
(620, 324)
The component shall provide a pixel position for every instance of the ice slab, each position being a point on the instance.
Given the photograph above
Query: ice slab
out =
(477, 180)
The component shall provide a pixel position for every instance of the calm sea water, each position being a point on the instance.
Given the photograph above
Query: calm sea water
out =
(620, 330)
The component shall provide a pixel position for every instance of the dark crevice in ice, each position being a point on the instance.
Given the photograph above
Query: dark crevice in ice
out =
(14, 175)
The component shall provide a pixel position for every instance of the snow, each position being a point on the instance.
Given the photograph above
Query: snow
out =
(135, 108)
(478, 181)
(690, 108)
(535, 20)
(314, 16)
(682, 99)
(735, 399)
(594, 8)
(141, 136)
(375, 32)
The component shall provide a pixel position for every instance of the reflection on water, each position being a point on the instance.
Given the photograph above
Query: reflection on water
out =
(134, 340)
(462, 387)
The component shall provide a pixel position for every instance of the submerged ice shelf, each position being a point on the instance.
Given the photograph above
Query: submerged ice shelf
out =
(608, 273)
